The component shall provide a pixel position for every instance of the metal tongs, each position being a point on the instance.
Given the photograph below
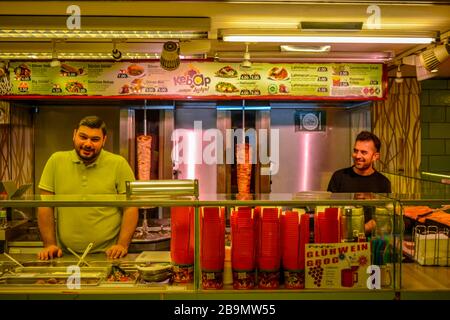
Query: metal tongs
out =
(12, 259)
(81, 259)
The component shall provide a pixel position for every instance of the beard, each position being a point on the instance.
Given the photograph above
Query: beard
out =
(361, 165)
(88, 155)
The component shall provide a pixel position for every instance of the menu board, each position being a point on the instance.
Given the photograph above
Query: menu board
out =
(198, 79)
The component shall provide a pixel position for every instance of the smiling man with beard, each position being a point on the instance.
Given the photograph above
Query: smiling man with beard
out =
(362, 176)
(86, 170)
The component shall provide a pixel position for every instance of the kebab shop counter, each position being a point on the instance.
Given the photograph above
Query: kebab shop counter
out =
(310, 245)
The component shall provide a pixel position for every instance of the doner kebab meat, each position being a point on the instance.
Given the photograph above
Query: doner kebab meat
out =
(244, 168)
(144, 144)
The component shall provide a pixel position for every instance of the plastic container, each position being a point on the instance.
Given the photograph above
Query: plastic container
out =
(384, 222)
(351, 220)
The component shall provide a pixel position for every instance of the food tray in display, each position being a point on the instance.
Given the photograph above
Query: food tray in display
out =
(38, 280)
(64, 263)
(158, 278)
(153, 234)
(51, 270)
(154, 268)
(123, 275)
(155, 272)
(153, 256)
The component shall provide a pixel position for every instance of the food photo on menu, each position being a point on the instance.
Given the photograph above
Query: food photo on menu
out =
(135, 70)
(226, 87)
(278, 73)
(227, 72)
(67, 69)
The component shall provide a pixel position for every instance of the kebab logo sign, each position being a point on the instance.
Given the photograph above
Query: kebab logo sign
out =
(200, 146)
(193, 78)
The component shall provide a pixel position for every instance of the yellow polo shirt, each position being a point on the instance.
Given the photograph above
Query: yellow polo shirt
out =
(65, 173)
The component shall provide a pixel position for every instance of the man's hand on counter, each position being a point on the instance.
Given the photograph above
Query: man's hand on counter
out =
(50, 252)
(116, 251)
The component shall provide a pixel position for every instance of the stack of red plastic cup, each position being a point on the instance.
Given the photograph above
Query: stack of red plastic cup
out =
(295, 235)
(243, 248)
(182, 243)
(269, 248)
(212, 244)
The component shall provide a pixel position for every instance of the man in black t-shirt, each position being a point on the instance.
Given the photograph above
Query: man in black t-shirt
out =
(362, 176)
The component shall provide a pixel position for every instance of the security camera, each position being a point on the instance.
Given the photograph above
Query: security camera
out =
(170, 56)
(116, 54)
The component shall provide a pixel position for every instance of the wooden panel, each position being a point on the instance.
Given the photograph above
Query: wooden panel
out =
(396, 122)
(16, 145)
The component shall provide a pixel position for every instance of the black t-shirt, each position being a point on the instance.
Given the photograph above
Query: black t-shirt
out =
(347, 180)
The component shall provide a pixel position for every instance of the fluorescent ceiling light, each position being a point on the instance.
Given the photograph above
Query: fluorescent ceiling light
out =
(277, 56)
(104, 27)
(88, 56)
(101, 34)
(326, 39)
(289, 48)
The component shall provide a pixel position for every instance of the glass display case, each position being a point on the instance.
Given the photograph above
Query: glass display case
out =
(425, 271)
(288, 246)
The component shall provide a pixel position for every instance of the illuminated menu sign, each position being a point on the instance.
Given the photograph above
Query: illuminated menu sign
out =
(199, 79)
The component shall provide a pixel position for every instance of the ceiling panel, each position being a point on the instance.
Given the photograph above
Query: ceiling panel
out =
(404, 17)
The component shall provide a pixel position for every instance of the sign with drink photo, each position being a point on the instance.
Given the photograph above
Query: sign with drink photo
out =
(337, 265)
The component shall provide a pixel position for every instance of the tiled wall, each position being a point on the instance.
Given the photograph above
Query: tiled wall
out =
(435, 118)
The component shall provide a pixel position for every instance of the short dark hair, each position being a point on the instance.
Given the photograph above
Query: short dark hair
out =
(93, 122)
(369, 136)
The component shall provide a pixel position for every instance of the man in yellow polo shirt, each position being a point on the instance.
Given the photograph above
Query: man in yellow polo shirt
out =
(86, 170)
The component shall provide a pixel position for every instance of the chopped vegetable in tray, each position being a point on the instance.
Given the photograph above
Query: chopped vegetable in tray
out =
(119, 275)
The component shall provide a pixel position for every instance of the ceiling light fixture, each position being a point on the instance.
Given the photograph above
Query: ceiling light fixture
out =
(290, 36)
(102, 34)
(55, 62)
(432, 58)
(277, 56)
(246, 63)
(104, 27)
(327, 39)
(90, 56)
(290, 48)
